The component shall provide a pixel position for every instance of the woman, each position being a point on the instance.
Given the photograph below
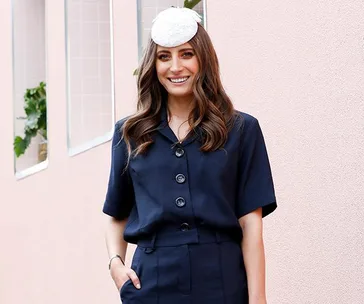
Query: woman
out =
(190, 180)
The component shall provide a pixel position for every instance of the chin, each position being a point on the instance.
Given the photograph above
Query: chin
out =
(179, 93)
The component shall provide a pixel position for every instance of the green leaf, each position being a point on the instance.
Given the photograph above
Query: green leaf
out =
(19, 146)
(32, 121)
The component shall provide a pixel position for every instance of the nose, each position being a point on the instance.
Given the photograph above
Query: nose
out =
(176, 65)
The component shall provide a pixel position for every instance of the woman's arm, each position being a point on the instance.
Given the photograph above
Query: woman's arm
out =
(117, 246)
(253, 253)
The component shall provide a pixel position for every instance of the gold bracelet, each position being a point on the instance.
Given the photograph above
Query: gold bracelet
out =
(114, 257)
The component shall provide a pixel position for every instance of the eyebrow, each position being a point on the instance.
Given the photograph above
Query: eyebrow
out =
(181, 50)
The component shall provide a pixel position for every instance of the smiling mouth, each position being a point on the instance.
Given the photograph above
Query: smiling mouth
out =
(178, 80)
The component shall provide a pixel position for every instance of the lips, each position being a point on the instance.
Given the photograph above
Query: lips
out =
(178, 80)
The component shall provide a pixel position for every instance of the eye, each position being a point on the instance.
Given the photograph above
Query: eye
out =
(163, 57)
(188, 54)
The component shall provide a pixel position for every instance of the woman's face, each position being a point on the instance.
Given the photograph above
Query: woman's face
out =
(176, 69)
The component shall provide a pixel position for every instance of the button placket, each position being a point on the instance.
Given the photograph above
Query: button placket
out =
(181, 180)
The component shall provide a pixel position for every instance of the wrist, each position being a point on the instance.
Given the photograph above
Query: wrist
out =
(257, 300)
(115, 259)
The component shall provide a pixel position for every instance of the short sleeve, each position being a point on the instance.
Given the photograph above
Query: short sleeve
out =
(120, 193)
(256, 187)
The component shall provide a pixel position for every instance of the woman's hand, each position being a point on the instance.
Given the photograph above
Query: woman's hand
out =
(121, 274)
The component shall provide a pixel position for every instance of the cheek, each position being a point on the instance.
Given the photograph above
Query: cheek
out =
(161, 69)
(194, 67)
(161, 75)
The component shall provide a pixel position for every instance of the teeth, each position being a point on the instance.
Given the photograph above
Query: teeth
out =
(179, 80)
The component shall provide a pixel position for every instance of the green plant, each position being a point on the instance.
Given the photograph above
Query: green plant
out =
(191, 3)
(35, 107)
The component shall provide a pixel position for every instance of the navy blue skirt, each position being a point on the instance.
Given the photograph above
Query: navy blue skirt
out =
(190, 267)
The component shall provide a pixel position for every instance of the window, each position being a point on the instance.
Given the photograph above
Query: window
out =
(90, 91)
(29, 85)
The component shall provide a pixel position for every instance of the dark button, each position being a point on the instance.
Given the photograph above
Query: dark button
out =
(179, 152)
(184, 227)
(180, 202)
(180, 178)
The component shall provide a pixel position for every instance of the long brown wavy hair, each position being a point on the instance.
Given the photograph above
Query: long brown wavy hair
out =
(213, 115)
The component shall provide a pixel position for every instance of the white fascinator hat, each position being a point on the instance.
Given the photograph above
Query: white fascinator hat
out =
(175, 26)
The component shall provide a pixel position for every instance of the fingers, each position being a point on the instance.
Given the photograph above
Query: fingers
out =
(134, 278)
(124, 274)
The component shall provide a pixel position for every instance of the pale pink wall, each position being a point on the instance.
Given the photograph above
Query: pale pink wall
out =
(299, 67)
(51, 224)
(29, 65)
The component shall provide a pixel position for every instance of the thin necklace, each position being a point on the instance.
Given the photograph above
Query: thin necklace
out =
(178, 129)
(178, 137)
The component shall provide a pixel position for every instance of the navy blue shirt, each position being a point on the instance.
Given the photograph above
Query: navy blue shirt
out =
(176, 185)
